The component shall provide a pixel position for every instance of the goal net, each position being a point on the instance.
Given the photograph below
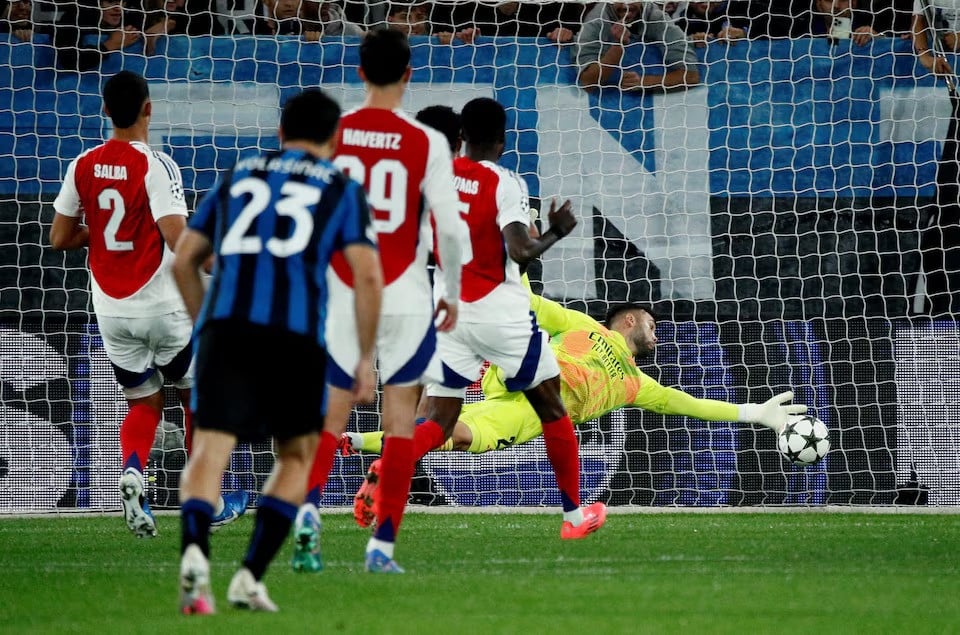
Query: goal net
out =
(790, 209)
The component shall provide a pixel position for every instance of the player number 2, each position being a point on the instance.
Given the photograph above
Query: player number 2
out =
(386, 189)
(297, 200)
(111, 201)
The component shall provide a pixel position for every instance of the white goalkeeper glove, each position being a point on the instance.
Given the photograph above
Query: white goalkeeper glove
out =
(772, 413)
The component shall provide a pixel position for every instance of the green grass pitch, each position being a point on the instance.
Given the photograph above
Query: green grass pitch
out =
(807, 572)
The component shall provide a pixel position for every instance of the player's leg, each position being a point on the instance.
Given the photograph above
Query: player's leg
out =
(460, 367)
(307, 524)
(538, 375)
(406, 347)
(281, 496)
(173, 356)
(342, 357)
(226, 407)
(126, 342)
(199, 491)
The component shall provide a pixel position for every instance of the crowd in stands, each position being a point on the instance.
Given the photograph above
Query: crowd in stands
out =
(84, 31)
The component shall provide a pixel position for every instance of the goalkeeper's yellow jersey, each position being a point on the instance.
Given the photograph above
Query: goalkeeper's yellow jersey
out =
(598, 372)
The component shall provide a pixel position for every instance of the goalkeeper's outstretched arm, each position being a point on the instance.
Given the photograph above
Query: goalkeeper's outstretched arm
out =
(772, 413)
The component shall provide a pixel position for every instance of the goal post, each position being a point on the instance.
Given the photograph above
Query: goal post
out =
(781, 215)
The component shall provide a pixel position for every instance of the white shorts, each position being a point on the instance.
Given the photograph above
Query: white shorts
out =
(406, 344)
(523, 353)
(146, 351)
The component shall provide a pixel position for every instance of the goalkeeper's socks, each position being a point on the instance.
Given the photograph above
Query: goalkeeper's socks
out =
(322, 464)
(136, 435)
(396, 470)
(367, 441)
(427, 436)
(195, 518)
(271, 528)
(563, 452)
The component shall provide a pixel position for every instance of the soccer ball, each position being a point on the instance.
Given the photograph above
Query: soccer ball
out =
(804, 440)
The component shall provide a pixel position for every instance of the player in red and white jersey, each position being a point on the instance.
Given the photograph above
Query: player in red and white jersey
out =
(131, 198)
(405, 169)
(495, 322)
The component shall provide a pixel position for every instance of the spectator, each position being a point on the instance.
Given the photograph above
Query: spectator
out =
(16, 18)
(177, 17)
(608, 28)
(946, 29)
(838, 20)
(704, 22)
(416, 18)
(773, 18)
(557, 21)
(237, 17)
(321, 18)
(85, 36)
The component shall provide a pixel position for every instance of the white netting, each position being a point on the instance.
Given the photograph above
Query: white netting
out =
(785, 207)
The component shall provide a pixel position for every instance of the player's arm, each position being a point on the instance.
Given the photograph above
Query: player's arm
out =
(514, 215)
(67, 232)
(444, 204)
(772, 414)
(194, 247)
(164, 186)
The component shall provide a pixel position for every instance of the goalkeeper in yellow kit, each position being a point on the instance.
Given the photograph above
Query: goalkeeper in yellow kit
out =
(598, 374)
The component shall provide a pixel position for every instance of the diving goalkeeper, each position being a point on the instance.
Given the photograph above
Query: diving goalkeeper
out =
(598, 374)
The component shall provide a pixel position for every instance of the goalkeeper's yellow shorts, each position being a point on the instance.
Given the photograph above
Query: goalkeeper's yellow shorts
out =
(501, 421)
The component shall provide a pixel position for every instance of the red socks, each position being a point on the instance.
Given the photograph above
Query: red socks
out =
(427, 436)
(396, 470)
(136, 435)
(563, 452)
(322, 464)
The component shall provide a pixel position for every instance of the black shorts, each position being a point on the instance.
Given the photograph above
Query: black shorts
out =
(257, 382)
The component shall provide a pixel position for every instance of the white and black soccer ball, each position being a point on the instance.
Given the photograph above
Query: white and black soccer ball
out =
(804, 440)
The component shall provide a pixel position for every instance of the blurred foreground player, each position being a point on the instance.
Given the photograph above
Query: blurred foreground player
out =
(271, 224)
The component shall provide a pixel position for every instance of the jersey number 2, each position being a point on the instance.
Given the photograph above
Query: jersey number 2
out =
(111, 201)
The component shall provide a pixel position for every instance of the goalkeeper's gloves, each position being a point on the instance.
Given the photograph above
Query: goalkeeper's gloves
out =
(772, 413)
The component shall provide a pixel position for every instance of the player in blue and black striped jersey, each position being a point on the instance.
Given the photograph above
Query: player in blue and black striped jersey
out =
(271, 226)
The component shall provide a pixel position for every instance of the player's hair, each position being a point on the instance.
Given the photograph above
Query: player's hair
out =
(124, 95)
(444, 119)
(484, 122)
(384, 56)
(309, 116)
(616, 310)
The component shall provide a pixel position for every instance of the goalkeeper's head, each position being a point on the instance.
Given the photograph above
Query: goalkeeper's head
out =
(126, 98)
(445, 120)
(385, 57)
(311, 117)
(484, 123)
(637, 323)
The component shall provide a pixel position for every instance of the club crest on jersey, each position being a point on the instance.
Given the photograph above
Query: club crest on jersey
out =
(113, 172)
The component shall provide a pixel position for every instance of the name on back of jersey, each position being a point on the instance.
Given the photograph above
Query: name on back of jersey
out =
(112, 172)
(371, 139)
(467, 186)
(287, 166)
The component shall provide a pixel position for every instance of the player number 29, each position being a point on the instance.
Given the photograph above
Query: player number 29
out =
(386, 189)
(298, 199)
